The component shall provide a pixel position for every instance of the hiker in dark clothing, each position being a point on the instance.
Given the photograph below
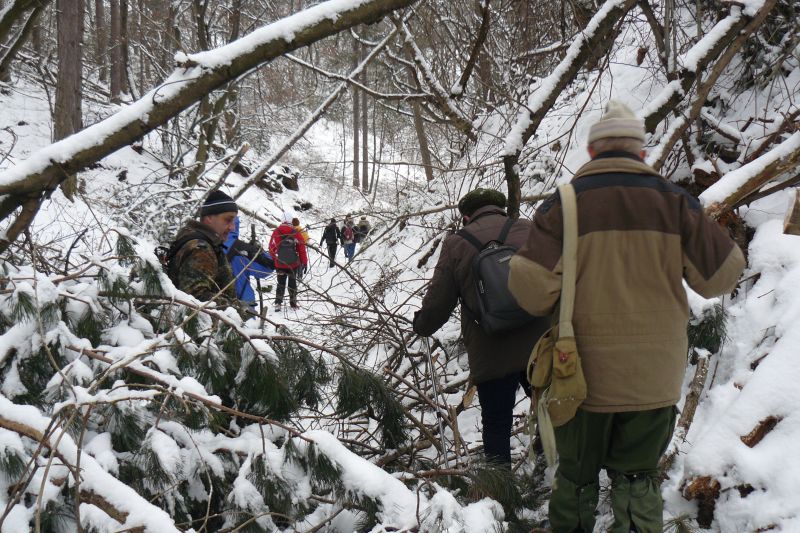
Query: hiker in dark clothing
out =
(288, 249)
(331, 237)
(496, 362)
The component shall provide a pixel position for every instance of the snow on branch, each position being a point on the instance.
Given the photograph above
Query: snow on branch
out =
(440, 96)
(697, 59)
(262, 170)
(99, 487)
(739, 183)
(199, 75)
(592, 40)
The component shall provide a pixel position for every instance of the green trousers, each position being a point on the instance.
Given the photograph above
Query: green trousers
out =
(628, 445)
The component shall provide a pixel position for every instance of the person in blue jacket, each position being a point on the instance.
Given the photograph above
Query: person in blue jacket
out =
(241, 256)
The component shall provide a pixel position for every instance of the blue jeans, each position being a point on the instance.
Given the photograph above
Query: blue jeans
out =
(349, 250)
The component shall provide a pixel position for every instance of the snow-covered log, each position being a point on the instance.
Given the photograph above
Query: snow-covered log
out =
(735, 185)
(196, 76)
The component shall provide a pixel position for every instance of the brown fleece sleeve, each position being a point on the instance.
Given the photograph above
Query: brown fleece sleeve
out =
(442, 296)
(712, 261)
(535, 277)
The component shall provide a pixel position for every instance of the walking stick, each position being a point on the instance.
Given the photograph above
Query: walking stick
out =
(435, 384)
(258, 280)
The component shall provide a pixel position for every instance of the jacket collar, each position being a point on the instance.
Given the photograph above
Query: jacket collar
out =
(610, 162)
(486, 210)
(205, 229)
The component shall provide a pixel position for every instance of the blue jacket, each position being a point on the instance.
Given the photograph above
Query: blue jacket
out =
(241, 270)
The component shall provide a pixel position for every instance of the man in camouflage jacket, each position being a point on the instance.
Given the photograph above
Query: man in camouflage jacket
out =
(201, 267)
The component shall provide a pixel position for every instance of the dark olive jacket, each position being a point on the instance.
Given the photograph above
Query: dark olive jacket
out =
(490, 357)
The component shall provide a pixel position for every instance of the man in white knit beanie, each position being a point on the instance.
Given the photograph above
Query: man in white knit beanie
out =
(639, 238)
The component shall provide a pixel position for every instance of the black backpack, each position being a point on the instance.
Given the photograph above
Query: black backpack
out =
(167, 255)
(497, 309)
(287, 249)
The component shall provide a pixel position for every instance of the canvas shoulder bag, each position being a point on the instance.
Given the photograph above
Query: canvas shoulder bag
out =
(554, 367)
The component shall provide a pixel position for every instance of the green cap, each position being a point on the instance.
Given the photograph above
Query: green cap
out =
(475, 199)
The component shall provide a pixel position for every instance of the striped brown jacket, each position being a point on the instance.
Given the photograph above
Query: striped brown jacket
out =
(640, 237)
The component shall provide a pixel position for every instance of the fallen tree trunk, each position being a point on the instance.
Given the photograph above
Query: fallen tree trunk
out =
(197, 75)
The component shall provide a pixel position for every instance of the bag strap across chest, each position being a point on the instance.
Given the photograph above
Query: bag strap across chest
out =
(569, 259)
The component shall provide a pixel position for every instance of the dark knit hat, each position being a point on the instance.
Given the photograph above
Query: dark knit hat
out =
(474, 200)
(218, 202)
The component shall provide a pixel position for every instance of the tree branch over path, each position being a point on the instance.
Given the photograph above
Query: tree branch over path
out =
(261, 171)
(596, 38)
(697, 59)
(197, 75)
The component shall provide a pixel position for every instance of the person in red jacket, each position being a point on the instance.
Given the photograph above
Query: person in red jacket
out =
(288, 249)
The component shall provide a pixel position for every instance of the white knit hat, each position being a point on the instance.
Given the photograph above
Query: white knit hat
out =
(617, 121)
(288, 215)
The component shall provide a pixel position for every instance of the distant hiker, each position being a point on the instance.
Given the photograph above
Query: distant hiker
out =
(362, 229)
(288, 250)
(247, 260)
(640, 237)
(331, 237)
(349, 238)
(306, 240)
(496, 362)
(197, 262)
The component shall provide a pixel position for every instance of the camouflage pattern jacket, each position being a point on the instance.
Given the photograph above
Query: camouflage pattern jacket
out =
(203, 269)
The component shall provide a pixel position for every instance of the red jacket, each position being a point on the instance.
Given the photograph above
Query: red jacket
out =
(277, 236)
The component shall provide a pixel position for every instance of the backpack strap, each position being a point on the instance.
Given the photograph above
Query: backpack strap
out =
(504, 232)
(473, 240)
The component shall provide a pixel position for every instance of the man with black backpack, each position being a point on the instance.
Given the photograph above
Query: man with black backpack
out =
(196, 262)
(288, 249)
(472, 269)
(331, 236)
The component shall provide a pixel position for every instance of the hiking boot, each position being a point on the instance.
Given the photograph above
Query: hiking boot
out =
(277, 306)
(294, 305)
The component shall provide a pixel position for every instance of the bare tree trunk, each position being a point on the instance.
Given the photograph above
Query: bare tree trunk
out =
(356, 122)
(364, 135)
(101, 39)
(67, 119)
(424, 150)
(231, 115)
(28, 29)
(124, 43)
(117, 58)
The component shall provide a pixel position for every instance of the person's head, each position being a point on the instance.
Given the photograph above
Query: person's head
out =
(333, 221)
(619, 129)
(477, 198)
(219, 213)
(364, 218)
(295, 221)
